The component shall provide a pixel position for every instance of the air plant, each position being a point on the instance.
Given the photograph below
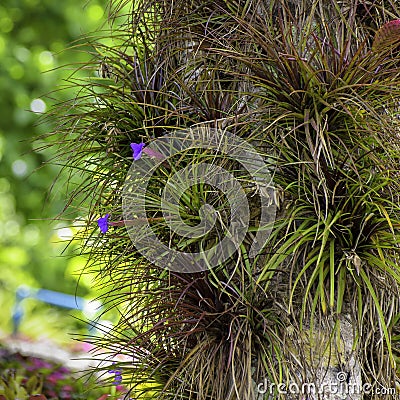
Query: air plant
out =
(314, 87)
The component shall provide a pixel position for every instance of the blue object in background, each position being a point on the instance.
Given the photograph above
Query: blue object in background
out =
(88, 308)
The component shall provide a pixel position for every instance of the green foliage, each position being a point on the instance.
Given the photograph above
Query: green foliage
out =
(303, 83)
(36, 38)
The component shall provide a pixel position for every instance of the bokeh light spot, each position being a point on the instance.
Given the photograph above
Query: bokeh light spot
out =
(6, 24)
(31, 235)
(19, 168)
(4, 185)
(12, 227)
(22, 53)
(65, 233)
(46, 58)
(95, 12)
(38, 106)
(16, 71)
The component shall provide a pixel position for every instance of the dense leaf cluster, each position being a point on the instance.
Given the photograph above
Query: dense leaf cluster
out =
(315, 88)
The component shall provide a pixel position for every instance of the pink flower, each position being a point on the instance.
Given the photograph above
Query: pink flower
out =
(55, 377)
(153, 153)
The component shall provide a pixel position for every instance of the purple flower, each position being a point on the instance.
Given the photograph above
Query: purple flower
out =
(55, 377)
(39, 363)
(117, 376)
(137, 149)
(103, 223)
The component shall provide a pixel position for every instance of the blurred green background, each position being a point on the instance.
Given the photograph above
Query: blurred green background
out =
(37, 41)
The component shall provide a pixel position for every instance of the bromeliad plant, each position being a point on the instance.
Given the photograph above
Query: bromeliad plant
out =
(314, 86)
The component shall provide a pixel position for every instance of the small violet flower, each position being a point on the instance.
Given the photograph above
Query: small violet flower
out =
(103, 223)
(137, 149)
(117, 376)
(39, 363)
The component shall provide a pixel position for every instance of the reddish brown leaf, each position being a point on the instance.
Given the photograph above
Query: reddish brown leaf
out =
(387, 35)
